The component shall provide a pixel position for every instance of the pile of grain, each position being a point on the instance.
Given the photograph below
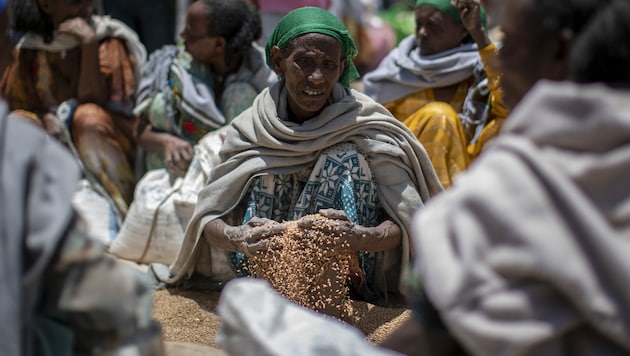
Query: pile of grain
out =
(309, 267)
(187, 316)
(190, 316)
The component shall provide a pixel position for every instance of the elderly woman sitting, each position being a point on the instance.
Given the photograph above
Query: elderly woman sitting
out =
(310, 145)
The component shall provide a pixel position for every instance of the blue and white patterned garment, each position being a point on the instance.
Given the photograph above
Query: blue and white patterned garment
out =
(341, 179)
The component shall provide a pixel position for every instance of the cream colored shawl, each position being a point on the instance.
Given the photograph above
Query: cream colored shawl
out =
(529, 252)
(105, 27)
(260, 142)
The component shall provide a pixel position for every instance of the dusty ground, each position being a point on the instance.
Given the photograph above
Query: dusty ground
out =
(190, 316)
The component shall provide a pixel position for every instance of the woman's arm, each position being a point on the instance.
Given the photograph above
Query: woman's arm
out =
(177, 152)
(470, 13)
(92, 87)
(471, 19)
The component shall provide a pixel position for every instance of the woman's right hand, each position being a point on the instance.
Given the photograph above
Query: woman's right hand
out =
(177, 155)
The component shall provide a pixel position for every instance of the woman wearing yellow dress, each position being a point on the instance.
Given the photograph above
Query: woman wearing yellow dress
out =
(440, 82)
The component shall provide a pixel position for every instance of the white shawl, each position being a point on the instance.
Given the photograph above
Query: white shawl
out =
(105, 27)
(259, 142)
(529, 251)
(404, 71)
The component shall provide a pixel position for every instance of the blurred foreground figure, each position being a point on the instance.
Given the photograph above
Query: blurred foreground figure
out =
(60, 294)
(527, 254)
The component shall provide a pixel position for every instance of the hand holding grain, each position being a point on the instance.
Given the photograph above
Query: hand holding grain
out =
(352, 236)
(248, 238)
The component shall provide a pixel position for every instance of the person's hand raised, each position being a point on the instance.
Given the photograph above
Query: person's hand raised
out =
(470, 13)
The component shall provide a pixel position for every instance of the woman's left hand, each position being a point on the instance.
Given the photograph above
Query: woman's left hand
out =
(470, 13)
(385, 236)
(178, 154)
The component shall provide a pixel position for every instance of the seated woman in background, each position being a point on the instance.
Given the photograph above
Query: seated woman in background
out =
(67, 55)
(310, 143)
(547, 235)
(190, 91)
(438, 81)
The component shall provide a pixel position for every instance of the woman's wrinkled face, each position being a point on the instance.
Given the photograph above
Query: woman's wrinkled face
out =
(311, 66)
(436, 31)
(61, 10)
(199, 44)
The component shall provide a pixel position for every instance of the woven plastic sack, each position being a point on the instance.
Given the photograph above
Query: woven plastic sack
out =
(96, 210)
(151, 232)
(154, 228)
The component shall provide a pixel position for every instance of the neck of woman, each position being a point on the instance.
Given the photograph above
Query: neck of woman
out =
(221, 70)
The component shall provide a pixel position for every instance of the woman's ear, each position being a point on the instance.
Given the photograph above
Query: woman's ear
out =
(220, 43)
(277, 59)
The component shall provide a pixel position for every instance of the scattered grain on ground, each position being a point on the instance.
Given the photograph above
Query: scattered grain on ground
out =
(190, 316)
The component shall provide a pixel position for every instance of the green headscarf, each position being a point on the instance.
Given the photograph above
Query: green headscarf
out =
(311, 19)
(446, 7)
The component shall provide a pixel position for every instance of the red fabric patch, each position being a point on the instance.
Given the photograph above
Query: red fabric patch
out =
(189, 126)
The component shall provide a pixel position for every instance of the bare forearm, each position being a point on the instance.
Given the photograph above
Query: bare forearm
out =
(216, 233)
(480, 36)
(152, 141)
(92, 86)
(387, 235)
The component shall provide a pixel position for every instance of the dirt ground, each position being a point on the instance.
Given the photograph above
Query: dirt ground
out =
(190, 317)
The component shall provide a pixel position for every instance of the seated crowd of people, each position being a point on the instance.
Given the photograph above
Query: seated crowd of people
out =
(483, 183)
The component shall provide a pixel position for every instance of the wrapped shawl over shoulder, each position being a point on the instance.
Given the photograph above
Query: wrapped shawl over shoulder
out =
(528, 252)
(259, 142)
(404, 71)
(105, 27)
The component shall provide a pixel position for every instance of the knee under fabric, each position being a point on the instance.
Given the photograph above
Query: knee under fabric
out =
(438, 128)
(428, 115)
